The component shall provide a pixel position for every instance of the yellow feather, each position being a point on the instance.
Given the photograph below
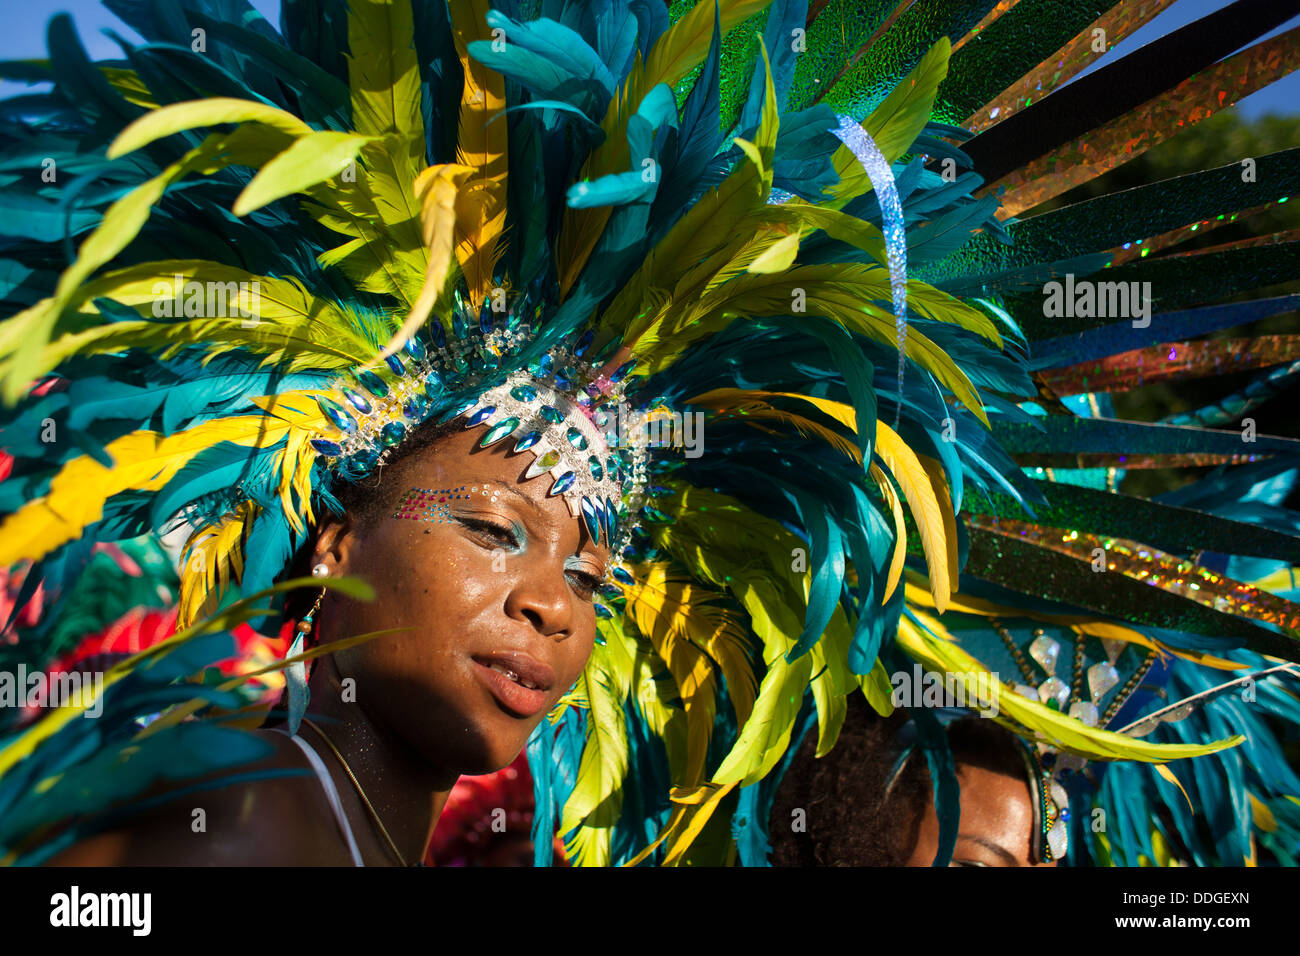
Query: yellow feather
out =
(747, 405)
(129, 84)
(191, 114)
(213, 556)
(148, 461)
(663, 620)
(594, 802)
(1170, 776)
(481, 205)
(24, 338)
(921, 481)
(437, 188)
(938, 650)
(1092, 627)
(698, 809)
(688, 608)
(311, 159)
(832, 680)
(1261, 815)
(896, 122)
(941, 493)
(777, 257)
(900, 531)
(384, 78)
(922, 499)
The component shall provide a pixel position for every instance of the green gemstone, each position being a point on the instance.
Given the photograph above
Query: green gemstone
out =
(524, 393)
(548, 461)
(576, 439)
(373, 384)
(499, 431)
(551, 415)
(596, 471)
(392, 434)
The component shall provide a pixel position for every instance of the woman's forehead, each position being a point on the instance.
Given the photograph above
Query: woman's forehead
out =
(457, 459)
(456, 463)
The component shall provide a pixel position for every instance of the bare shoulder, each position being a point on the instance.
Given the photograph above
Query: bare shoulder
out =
(275, 821)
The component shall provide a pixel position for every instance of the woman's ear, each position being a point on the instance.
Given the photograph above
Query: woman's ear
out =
(336, 540)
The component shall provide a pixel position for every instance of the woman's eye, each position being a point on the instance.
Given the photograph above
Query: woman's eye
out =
(584, 584)
(498, 534)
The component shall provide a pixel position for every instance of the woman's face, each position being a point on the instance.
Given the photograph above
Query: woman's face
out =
(494, 580)
(997, 819)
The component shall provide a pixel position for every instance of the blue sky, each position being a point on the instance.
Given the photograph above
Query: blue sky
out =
(23, 37)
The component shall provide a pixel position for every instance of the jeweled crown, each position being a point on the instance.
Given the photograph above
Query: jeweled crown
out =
(557, 408)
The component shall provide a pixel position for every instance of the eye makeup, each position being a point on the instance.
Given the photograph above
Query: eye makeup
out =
(590, 580)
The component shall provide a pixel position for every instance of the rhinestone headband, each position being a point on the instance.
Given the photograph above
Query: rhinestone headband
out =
(557, 409)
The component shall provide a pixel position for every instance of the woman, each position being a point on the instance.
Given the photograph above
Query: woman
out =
(872, 801)
(869, 802)
(495, 609)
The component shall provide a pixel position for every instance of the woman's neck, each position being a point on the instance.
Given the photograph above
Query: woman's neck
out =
(404, 790)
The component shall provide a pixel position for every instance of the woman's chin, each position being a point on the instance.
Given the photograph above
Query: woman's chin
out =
(482, 747)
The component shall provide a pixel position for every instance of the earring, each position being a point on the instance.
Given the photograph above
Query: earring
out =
(304, 626)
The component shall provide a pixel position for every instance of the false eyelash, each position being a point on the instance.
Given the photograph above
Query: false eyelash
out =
(589, 582)
(479, 524)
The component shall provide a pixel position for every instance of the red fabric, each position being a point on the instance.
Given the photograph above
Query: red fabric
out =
(11, 582)
(465, 834)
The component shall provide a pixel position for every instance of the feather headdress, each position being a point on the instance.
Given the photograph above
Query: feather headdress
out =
(761, 213)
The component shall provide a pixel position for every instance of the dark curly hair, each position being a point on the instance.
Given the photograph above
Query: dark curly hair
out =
(845, 821)
(851, 815)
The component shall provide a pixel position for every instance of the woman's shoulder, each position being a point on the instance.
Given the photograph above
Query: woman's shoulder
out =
(280, 820)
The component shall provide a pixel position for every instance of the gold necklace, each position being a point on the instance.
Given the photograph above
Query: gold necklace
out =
(374, 815)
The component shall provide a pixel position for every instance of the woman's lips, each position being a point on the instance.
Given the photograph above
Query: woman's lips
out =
(521, 685)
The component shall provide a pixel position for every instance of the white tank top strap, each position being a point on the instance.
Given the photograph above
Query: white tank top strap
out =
(331, 794)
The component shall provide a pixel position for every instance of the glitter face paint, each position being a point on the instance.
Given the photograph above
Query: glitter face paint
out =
(434, 505)
(427, 504)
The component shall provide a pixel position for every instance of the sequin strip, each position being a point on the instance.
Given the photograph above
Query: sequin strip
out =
(1254, 242)
(1172, 361)
(1069, 60)
(875, 165)
(1131, 462)
(1003, 6)
(1168, 572)
(1141, 248)
(1132, 134)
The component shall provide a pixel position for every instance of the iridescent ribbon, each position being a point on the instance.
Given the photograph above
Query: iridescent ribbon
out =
(873, 161)
(878, 171)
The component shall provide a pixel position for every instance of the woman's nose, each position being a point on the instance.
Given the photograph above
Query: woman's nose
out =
(543, 598)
